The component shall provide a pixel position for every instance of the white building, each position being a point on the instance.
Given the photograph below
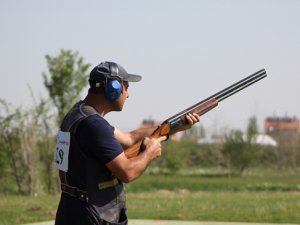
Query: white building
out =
(260, 139)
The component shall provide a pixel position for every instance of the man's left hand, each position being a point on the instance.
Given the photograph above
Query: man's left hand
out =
(192, 119)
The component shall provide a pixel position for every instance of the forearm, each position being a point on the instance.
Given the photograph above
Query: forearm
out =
(127, 170)
(130, 138)
(139, 134)
(130, 169)
(137, 166)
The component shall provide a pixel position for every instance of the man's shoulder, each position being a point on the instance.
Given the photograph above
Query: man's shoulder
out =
(95, 122)
(96, 118)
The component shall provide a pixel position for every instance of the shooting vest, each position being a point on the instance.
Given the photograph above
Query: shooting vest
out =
(96, 185)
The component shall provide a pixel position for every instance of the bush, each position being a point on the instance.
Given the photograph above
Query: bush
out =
(175, 156)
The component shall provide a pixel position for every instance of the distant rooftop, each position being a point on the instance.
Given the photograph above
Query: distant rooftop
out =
(285, 123)
(282, 119)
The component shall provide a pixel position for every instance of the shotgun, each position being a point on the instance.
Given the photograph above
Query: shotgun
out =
(200, 108)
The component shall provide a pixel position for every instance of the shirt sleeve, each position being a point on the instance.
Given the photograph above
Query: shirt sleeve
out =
(96, 138)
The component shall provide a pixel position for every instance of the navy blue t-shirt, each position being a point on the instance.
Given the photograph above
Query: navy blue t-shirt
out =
(95, 137)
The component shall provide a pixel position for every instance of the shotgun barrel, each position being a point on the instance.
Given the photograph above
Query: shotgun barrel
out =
(177, 120)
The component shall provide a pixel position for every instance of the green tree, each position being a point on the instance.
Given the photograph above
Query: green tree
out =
(18, 134)
(252, 129)
(22, 142)
(175, 155)
(233, 150)
(10, 143)
(46, 146)
(45, 133)
(67, 78)
(240, 149)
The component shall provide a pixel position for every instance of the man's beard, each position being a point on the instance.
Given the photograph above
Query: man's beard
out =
(118, 106)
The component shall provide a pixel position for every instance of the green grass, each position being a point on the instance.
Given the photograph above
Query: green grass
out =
(217, 182)
(272, 207)
(273, 198)
(16, 210)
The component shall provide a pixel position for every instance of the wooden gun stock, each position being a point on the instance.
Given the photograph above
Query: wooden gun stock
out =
(134, 150)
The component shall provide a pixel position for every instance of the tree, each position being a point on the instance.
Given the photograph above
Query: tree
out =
(252, 129)
(68, 76)
(46, 146)
(175, 156)
(233, 150)
(26, 144)
(240, 150)
(18, 136)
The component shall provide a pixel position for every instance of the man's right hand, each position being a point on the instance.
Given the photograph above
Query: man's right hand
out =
(153, 146)
(127, 170)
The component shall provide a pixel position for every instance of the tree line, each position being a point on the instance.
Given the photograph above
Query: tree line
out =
(28, 136)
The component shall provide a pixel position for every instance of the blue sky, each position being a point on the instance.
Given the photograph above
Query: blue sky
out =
(185, 51)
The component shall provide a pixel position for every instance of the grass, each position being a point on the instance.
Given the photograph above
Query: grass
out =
(267, 198)
(217, 182)
(16, 210)
(271, 207)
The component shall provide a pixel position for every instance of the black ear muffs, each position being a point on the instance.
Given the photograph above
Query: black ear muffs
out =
(113, 88)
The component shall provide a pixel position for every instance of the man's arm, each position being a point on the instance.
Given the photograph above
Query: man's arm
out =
(128, 170)
(130, 138)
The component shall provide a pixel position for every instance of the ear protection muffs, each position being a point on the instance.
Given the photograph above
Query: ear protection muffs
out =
(113, 87)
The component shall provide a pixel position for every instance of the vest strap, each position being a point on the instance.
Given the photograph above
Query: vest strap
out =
(108, 184)
(75, 192)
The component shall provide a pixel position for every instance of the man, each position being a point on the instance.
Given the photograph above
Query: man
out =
(89, 152)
